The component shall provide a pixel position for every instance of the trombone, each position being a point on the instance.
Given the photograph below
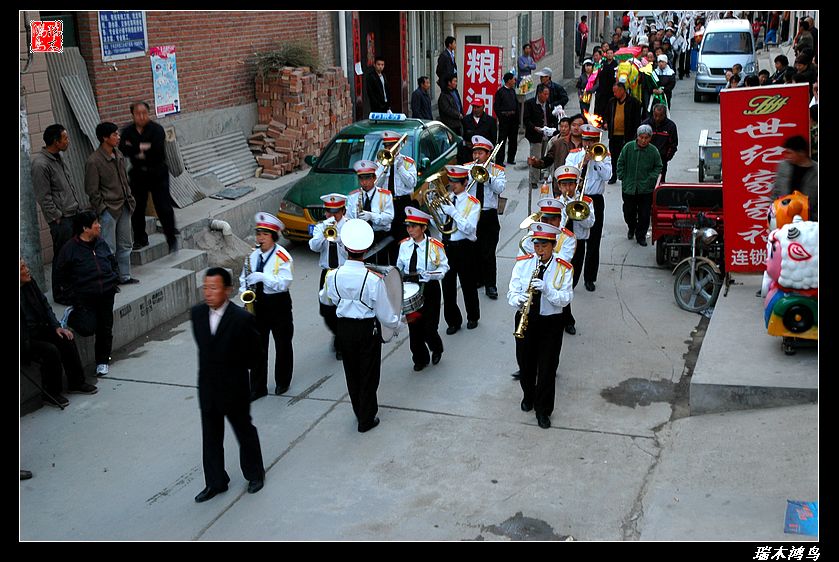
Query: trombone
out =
(479, 173)
(434, 197)
(578, 209)
(386, 157)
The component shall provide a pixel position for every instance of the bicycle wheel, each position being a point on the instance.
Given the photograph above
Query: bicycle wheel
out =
(704, 292)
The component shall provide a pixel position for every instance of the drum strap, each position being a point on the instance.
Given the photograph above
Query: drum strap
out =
(361, 292)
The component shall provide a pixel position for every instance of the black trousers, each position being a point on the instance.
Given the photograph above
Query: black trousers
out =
(397, 227)
(422, 332)
(541, 346)
(615, 146)
(250, 453)
(156, 183)
(60, 233)
(103, 308)
(684, 64)
(461, 254)
(56, 355)
(328, 312)
(273, 317)
(508, 131)
(663, 170)
(590, 248)
(361, 346)
(488, 231)
(636, 213)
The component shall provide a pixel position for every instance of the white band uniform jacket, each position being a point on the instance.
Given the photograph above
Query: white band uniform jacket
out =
(405, 179)
(581, 228)
(492, 188)
(318, 243)
(381, 207)
(598, 172)
(431, 256)
(558, 278)
(358, 293)
(466, 217)
(277, 271)
(566, 244)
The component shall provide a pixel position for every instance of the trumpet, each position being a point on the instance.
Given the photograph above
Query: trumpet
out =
(578, 209)
(479, 173)
(386, 157)
(248, 296)
(434, 197)
(330, 233)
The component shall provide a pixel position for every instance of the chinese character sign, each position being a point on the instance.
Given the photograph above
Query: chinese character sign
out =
(122, 34)
(755, 123)
(47, 36)
(482, 75)
(164, 70)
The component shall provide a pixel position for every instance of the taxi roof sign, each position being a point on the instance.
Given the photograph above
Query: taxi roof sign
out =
(387, 117)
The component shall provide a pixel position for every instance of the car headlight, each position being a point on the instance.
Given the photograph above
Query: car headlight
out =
(702, 68)
(290, 208)
(750, 68)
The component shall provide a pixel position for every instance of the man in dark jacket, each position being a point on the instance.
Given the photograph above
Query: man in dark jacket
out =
(450, 107)
(538, 114)
(45, 341)
(375, 85)
(421, 99)
(446, 63)
(665, 136)
(558, 94)
(506, 107)
(477, 122)
(228, 344)
(623, 116)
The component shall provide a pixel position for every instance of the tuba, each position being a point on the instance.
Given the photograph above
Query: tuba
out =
(434, 197)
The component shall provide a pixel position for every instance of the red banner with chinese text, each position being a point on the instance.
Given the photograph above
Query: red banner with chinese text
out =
(755, 123)
(537, 48)
(481, 75)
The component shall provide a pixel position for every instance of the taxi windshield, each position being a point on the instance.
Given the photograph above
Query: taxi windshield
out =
(345, 150)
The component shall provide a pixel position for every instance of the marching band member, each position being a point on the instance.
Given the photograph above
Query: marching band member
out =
(596, 176)
(400, 179)
(423, 259)
(460, 248)
(488, 225)
(567, 178)
(372, 205)
(545, 281)
(332, 253)
(271, 273)
(360, 298)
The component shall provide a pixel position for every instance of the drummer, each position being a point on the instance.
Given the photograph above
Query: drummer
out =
(422, 259)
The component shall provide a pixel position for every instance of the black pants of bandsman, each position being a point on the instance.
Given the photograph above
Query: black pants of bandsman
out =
(273, 318)
(422, 331)
(540, 349)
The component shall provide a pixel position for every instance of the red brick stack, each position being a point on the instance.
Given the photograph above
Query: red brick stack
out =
(299, 112)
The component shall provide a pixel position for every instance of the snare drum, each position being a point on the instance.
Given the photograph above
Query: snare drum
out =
(412, 299)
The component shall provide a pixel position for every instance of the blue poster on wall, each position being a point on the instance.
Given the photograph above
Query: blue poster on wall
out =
(164, 69)
(122, 34)
(802, 518)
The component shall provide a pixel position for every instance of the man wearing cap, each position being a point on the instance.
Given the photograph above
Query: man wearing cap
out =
(400, 180)
(506, 107)
(666, 79)
(461, 248)
(423, 260)
(360, 298)
(665, 136)
(477, 122)
(623, 117)
(596, 175)
(488, 225)
(545, 281)
(539, 125)
(268, 272)
(558, 94)
(332, 252)
(373, 205)
(639, 166)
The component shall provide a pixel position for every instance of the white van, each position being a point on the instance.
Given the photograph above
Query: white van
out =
(726, 42)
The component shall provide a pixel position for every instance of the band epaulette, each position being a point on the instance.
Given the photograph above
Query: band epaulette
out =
(574, 150)
(474, 199)
(281, 253)
(354, 191)
(567, 232)
(385, 191)
(408, 159)
(524, 257)
(497, 167)
(587, 199)
(437, 242)
(405, 239)
(565, 263)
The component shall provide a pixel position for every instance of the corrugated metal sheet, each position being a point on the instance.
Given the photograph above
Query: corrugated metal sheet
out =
(216, 156)
(184, 190)
(173, 156)
(226, 172)
(81, 101)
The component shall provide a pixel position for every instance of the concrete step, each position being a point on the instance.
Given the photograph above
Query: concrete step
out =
(151, 225)
(194, 260)
(754, 372)
(157, 248)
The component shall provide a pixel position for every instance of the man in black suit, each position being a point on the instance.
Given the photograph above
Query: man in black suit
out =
(376, 86)
(477, 122)
(228, 344)
(450, 107)
(538, 114)
(421, 99)
(446, 63)
(506, 107)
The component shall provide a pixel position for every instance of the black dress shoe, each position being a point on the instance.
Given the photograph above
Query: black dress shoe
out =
(630, 234)
(543, 421)
(364, 428)
(589, 286)
(255, 485)
(452, 330)
(570, 329)
(25, 474)
(258, 395)
(642, 242)
(139, 245)
(436, 356)
(419, 366)
(471, 324)
(526, 406)
(208, 494)
(516, 375)
(278, 391)
(492, 292)
(339, 356)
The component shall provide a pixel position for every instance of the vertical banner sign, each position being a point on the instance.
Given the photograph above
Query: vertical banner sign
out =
(164, 70)
(122, 35)
(482, 76)
(755, 123)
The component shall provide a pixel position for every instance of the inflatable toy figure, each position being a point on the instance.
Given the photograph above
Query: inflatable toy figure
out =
(785, 208)
(791, 282)
(629, 74)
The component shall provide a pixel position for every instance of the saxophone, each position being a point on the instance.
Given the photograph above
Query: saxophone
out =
(248, 296)
(525, 311)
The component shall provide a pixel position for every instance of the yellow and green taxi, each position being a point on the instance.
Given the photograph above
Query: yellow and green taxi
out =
(431, 144)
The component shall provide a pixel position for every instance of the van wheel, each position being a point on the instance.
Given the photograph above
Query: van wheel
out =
(697, 97)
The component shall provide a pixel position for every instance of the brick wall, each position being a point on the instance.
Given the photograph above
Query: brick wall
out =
(213, 52)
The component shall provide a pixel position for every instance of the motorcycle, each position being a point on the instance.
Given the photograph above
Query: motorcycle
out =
(698, 279)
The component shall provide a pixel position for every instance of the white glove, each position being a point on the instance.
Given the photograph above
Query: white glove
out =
(449, 209)
(427, 276)
(366, 216)
(255, 277)
(330, 220)
(403, 325)
(548, 132)
(538, 284)
(521, 299)
(559, 112)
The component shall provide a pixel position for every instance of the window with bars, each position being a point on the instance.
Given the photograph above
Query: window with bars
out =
(524, 30)
(548, 31)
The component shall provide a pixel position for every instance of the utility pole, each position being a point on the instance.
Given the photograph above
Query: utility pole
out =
(30, 239)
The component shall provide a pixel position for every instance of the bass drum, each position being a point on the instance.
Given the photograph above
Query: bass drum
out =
(412, 299)
(392, 279)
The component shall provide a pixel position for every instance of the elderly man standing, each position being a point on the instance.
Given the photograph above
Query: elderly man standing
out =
(639, 166)
(558, 94)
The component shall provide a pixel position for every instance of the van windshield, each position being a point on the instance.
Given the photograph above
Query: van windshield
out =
(727, 43)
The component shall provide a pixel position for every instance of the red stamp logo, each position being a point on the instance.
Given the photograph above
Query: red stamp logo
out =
(47, 36)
